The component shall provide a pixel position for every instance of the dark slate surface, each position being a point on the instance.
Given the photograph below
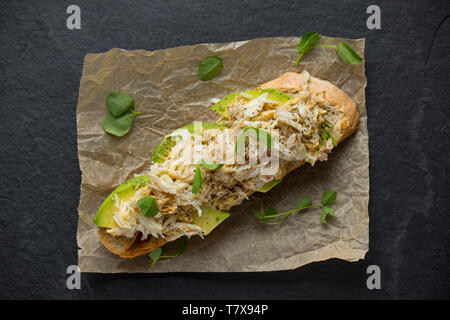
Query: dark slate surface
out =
(407, 64)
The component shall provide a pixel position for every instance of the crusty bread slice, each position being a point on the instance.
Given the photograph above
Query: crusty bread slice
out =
(129, 247)
(140, 247)
(346, 119)
(115, 244)
(343, 106)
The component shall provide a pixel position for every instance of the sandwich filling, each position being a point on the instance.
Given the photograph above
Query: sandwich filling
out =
(301, 130)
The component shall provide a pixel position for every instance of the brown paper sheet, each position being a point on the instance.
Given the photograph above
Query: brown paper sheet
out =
(165, 86)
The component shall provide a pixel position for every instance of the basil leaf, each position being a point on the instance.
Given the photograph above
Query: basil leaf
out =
(211, 166)
(328, 197)
(210, 67)
(148, 206)
(118, 103)
(308, 40)
(240, 142)
(325, 212)
(347, 54)
(155, 255)
(197, 184)
(304, 202)
(119, 126)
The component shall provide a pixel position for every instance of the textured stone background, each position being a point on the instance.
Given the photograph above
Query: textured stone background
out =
(407, 66)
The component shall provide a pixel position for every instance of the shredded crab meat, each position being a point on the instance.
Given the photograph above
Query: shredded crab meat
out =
(294, 128)
(130, 221)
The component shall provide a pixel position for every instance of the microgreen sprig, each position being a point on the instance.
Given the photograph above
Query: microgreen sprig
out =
(156, 254)
(344, 51)
(269, 216)
(121, 114)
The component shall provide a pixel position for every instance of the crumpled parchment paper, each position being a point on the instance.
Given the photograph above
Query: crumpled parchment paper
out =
(166, 88)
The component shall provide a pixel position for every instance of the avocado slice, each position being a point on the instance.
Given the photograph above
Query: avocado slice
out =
(221, 107)
(205, 125)
(162, 150)
(210, 218)
(104, 217)
(269, 185)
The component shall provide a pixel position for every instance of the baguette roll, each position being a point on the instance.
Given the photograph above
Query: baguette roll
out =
(317, 117)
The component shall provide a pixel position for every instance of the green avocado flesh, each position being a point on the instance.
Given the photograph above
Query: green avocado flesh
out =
(162, 150)
(205, 125)
(221, 107)
(210, 218)
(104, 217)
(269, 185)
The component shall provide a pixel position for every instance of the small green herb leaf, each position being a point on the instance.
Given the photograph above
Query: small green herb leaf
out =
(197, 184)
(155, 255)
(347, 54)
(118, 103)
(273, 222)
(304, 202)
(180, 249)
(211, 166)
(308, 40)
(259, 214)
(119, 126)
(270, 212)
(328, 197)
(148, 206)
(270, 216)
(325, 212)
(210, 67)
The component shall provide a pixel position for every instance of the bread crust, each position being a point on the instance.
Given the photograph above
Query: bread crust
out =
(289, 82)
(115, 244)
(128, 247)
(140, 247)
(346, 106)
